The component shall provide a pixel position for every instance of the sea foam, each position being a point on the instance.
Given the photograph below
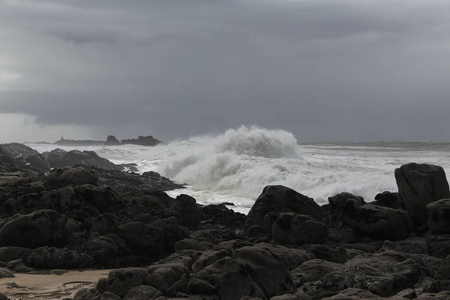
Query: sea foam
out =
(236, 165)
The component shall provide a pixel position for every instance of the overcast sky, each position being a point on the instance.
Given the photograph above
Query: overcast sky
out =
(325, 70)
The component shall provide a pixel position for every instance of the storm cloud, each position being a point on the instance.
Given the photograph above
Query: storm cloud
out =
(330, 70)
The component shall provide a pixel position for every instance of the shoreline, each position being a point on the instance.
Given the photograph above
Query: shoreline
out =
(50, 286)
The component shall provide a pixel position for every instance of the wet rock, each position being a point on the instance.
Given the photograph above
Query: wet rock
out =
(121, 281)
(142, 141)
(280, 199)
(380, 222)
(62, 177)
(291, 228)
(40, 228)
(344, 209)
(266, 269)
(142, 292)
(439, 216)
(236, 282)
(59, 158)
(419, 185)
(389, 199)
(57, 258)
(353, 294)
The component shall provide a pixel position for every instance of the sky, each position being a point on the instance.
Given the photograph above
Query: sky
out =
(325, 70)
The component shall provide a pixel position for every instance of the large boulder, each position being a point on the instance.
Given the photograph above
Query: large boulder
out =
(380, 222)
(419, 185)
(439, 216)
(121, 281)
(291, 228)
(40, 228)
(62, 177)
(344, 209)
(278, 198)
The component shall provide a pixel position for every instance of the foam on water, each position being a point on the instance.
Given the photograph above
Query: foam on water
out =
(235, 166)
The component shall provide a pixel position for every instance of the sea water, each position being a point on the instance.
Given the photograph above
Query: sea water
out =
(235, 166)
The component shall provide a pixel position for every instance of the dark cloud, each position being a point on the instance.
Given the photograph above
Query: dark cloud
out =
(325, 70)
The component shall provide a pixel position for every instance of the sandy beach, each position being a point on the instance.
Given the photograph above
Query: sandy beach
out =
(49, 286)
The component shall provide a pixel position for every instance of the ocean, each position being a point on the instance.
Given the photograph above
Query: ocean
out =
(236, 165)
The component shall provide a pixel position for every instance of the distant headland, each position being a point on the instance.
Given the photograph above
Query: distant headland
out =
(111, 141)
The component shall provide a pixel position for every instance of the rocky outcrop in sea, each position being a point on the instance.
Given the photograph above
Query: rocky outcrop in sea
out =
(287, 247)
(110, 141)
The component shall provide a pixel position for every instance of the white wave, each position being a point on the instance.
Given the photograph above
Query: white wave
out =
(235, 166)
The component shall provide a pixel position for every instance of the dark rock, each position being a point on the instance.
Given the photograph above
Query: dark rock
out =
(165, 275)
(23, 158)
(388, 199)
(142, 141)
(59, 178)
(266, 268)
(126, 182)
(380, 222)
(344, 209)
(59, 158)
(105, 249)
(18, 266)
(111, 141)
(142, 292)
(439, 245)
(419, 185)
(332, 253)
(10, 253)
(186, 211)
(5, 273)
(236, 282)
(189, 244)
(280, 199)
(172, 232)
(57, 258)
(354, 294)
(291, 228)
(40, 228)
(439, 216)
(121, 281)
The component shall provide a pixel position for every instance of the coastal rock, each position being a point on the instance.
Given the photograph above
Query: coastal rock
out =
(111, 141)
(121, 281)
(389, 199)
(344, 209)
(186, 211)
(439, 216)
(142, 141)
(258, 260)
(59, 158)
(291, 228)
(57, 258)
(419, 185)
(236, 282)
(130, 182)
(59, 178)
(353, 294)
(40, 228)
(380, 222)
(19, 157)
(142, 292)
(279, 199)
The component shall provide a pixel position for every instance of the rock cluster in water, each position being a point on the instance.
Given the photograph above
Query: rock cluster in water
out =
(111, 141)
(287, 247)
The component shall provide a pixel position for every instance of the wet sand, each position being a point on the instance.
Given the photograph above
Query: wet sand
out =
(49, 286)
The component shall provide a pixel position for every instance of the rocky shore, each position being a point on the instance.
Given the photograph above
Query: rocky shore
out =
(87, 213)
